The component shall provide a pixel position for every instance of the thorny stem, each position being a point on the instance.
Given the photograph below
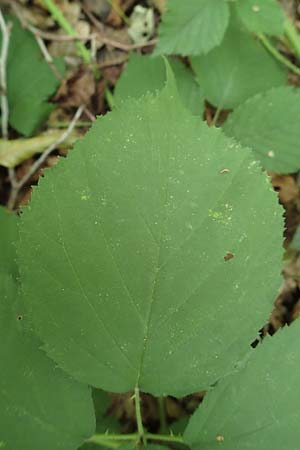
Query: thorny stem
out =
(63, 22)
(109, 438)
(162, 414)
(137, 401)
(5, 29)
(17, 185)
(277, 55)
(292, 35)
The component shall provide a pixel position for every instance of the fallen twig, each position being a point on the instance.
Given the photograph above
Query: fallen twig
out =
(111, 42)
(48, 57)
(5, 29)
(16, 186)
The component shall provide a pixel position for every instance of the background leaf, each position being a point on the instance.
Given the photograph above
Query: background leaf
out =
(127, 243)
(15, 151)
(30, 81)
(104, 423)
(147, 74)
(236, 70)
(193, 27)
(261, 16)
(257, 407)
(268, 124)
(41, 407)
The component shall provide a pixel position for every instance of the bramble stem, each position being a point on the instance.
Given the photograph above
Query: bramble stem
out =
(108, 438)
(138, 412)
(292, 35)
(63, 22)
(162, 414)
(277, 55)
(164, 437)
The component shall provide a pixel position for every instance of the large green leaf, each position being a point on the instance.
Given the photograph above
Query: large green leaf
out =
(30, 81)
(147, 74)
(268, 124)
(257, 407)
(192, 27)
(261, 16)
(236, 70)
(126, 239)
(41, 407)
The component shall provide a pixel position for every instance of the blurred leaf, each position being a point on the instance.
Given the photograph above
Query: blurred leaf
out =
(269, 124)
(30, 81)
(236, 70)
(104, 422)
(147, 207)
(295, 244)
(147, 74)
(179, 425)
(261, 16)
(41, 406)
(192, 27)
(258, 406)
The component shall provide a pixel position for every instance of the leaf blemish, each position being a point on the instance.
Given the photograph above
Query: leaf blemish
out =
(224, 171)
(228, 256)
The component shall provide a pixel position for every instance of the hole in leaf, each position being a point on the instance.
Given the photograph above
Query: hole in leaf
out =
(20, 317)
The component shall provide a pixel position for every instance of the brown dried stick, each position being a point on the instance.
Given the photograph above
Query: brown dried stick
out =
(5, 29)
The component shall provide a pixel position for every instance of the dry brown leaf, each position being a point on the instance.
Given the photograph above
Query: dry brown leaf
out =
(78, 89)
(286, 187)
(113, 19)
(100, 8)
(99, 98)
